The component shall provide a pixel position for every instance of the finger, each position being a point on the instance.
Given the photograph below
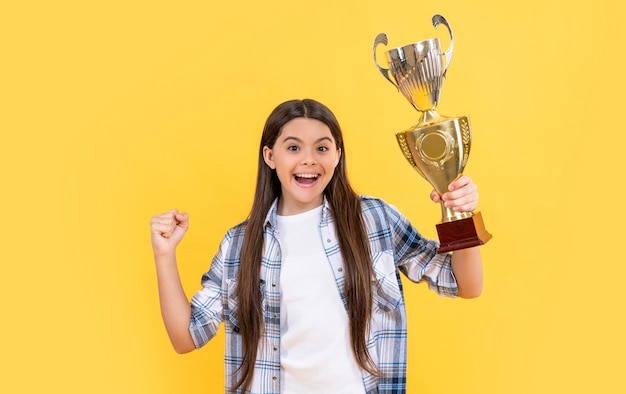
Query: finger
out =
(460, 182)
(436, 197)
(168, 214)
(463, 204)
(458, 192)
(163, 225)
(164, 221)
(166, 218)
(182, 218)
(162, 230)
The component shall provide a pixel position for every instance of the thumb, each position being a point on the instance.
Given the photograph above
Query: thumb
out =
(182, 224)
(435, 196)
(182, 220)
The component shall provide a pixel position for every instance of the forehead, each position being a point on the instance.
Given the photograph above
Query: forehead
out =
(304, 129)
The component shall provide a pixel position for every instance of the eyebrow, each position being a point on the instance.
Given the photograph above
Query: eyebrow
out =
(299, 140)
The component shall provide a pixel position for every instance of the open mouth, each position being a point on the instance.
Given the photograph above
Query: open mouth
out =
(306, 179)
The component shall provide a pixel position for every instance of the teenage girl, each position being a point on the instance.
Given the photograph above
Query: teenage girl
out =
(308, 287)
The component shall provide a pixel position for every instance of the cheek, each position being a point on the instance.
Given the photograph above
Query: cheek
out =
(283, 172)
(334, 162)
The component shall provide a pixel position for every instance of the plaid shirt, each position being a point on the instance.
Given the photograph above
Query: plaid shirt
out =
(396, 246)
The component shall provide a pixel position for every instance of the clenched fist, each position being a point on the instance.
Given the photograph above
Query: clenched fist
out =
(167, 230)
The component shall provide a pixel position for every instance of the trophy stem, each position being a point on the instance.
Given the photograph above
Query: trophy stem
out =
(429, 117)
(449, 215)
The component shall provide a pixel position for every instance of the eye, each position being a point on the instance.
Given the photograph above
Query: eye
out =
(292, 148)
(323, 148)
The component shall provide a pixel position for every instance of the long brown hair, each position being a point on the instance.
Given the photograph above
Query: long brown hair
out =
(346, 211)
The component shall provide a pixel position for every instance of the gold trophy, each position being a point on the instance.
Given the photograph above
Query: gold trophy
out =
(436, 146)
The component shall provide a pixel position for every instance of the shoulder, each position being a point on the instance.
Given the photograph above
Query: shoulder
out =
(370, 202)
(378, 214)
(237, 230)
(376, 206)
(233, 240)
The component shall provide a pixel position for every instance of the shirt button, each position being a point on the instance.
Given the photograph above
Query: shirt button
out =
(340, 269)
(328, 240)
(274, 378)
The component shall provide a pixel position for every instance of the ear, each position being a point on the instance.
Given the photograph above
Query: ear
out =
(338, 157)
(268, 157)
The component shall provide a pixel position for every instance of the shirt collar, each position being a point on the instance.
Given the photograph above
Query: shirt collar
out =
(271, 219)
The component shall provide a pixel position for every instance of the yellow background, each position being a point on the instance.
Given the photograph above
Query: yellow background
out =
(112, 111)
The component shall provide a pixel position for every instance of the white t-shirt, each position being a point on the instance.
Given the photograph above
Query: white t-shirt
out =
(315, 351)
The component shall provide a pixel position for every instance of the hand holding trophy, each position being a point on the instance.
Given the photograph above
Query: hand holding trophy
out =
(436, 146)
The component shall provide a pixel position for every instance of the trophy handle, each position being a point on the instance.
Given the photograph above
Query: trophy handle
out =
(382, 39)
(437, 19)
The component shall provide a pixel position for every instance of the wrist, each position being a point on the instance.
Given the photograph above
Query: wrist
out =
(165, 257)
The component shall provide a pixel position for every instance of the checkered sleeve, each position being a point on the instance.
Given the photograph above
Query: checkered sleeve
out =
(206, 304)
(417, 257)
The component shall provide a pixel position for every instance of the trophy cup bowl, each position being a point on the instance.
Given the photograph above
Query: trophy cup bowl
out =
(437, 147)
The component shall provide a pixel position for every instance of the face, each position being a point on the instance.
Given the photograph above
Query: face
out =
(304, 156)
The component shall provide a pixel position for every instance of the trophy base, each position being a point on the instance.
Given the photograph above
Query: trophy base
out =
(462, 233)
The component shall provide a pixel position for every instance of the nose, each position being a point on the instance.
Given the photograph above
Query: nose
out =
(308, 157)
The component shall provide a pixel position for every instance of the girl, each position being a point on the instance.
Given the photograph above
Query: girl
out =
(308, 287)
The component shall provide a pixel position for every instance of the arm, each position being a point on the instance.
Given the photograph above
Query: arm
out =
(462, 196)
(167, 230)
(468, 270)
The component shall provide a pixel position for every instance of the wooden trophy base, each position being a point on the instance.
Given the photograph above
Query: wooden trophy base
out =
(462, 233)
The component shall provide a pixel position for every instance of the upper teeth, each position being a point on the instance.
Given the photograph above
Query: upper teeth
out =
(306, 175)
